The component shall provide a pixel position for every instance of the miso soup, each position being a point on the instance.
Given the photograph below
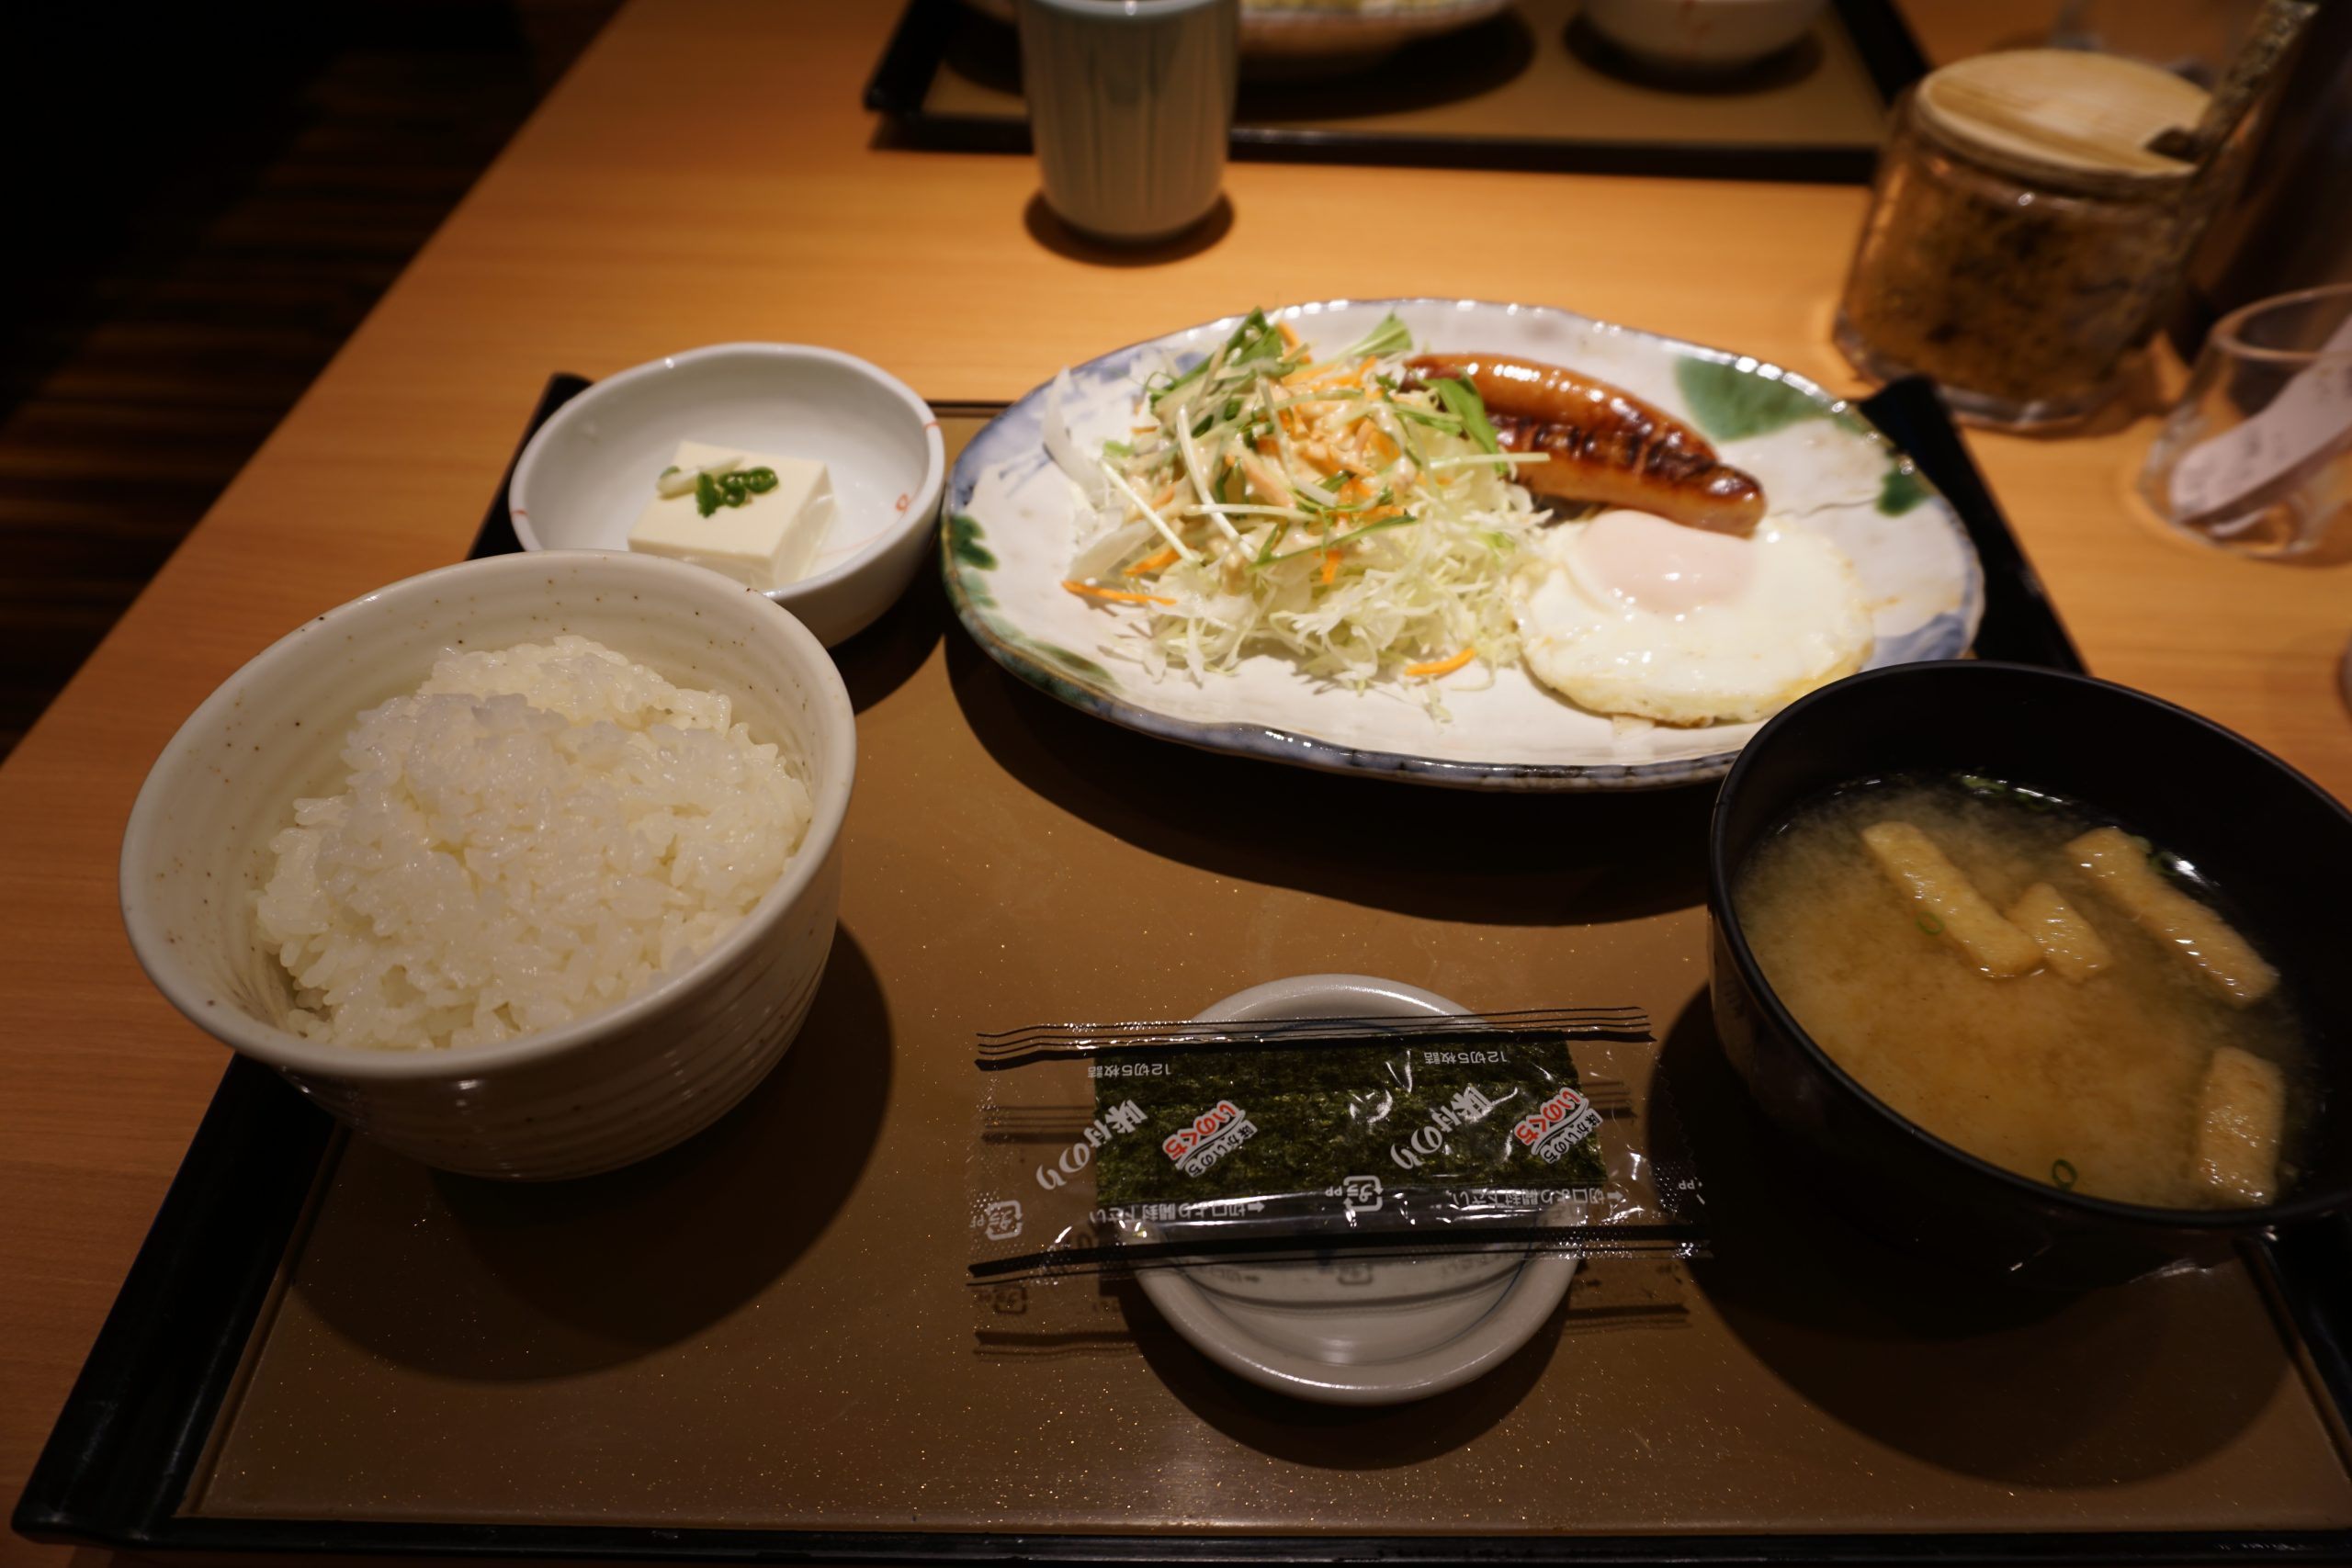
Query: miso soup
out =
(2023, 979)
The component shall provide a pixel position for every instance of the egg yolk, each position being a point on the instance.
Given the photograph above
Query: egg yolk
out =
(1647, 563)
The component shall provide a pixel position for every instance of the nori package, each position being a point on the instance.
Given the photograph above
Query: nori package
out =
(1113, 1147)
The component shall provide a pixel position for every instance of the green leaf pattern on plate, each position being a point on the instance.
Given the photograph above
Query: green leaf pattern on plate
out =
(968, 557)
(1903, 490)
(1730, 404)
(1073, 664)
(964, 543)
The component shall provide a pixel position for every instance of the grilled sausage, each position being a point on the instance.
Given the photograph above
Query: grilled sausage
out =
(1605, 445)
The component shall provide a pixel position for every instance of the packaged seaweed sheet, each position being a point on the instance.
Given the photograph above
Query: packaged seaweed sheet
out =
(1121, 1146)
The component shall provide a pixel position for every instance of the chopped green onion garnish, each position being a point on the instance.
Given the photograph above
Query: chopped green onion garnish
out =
(715, 491)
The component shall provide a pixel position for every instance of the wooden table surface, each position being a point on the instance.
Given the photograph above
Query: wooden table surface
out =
(661, 200)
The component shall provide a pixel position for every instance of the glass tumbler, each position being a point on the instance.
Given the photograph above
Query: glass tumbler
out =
(2257, 458)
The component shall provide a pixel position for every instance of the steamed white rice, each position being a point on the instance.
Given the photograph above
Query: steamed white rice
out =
(535, 834)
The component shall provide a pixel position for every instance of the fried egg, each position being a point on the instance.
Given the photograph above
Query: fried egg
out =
(1630, 613)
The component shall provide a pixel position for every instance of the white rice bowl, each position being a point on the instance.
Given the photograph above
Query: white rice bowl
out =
(535, 834)
(612, 1084)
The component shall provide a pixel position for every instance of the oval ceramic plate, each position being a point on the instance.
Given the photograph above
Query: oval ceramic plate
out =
(1013, 523)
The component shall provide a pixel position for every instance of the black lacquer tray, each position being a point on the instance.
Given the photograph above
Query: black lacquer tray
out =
(132, 1442)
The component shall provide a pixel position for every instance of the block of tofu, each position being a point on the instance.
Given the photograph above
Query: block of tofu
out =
(766, 542)
(2227, 962)
(1947, 903)
(2238, 1121)
(2070, 943)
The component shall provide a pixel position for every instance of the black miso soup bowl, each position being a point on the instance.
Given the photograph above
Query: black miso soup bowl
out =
(2276, 844)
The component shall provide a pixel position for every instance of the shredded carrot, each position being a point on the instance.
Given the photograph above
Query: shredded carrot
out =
(1330, 565)
(1443, 666)
(1116, 597)
(1290, 338)
(1152, 563)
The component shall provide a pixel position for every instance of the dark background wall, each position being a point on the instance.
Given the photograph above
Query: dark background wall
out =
(204, 201)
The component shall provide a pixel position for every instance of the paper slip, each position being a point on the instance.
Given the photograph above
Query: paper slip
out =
(2312, 416)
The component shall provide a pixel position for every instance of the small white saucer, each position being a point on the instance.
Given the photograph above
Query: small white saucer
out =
(1357, 1332)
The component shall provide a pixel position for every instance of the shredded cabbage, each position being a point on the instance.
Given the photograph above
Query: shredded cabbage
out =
(1336, 513)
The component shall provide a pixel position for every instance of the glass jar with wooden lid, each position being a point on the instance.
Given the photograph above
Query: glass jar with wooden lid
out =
(2024, 235)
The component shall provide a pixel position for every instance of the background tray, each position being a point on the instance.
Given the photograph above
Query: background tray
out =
(760, 1342)
(1531, 89)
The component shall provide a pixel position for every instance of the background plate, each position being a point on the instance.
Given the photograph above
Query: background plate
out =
(1284, 31)
(1013, 523)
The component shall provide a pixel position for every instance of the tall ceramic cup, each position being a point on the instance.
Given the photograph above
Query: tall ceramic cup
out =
(1129, 103)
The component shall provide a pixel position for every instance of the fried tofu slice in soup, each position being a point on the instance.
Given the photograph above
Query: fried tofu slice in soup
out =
(2070, 943)
(2226, 962)
(1947, 903)
(2239, 1117)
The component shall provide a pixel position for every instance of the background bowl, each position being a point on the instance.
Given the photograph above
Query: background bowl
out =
(1275, 33)
(590, 1095)
(1702, 37)
(2276, 841)
(585, 477)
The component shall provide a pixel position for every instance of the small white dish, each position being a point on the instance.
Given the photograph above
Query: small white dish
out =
(1381, 1332)
(587, 475)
